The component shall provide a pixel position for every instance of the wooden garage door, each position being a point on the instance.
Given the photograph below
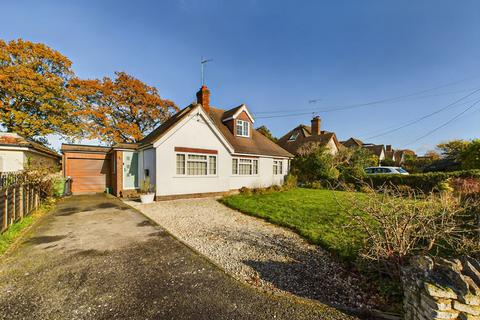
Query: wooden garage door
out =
(89, 175)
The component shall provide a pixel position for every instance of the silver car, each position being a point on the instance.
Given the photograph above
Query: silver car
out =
(385, 170)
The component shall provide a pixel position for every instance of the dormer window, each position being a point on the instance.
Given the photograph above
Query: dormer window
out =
(294, 136)
(243, 128)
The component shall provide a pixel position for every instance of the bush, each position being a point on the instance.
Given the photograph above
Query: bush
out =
(245, 191)
(314, 163)
(398, 226)
(290, 182)
(424, 182)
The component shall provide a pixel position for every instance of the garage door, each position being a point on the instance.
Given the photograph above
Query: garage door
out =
(89, 175)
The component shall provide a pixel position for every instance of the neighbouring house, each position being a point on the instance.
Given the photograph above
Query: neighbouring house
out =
(201, 150)
(381, 151)
(401, 155)
(389, 153)
(376, 149)
(352, 143)
(301, 135)
(17, 152)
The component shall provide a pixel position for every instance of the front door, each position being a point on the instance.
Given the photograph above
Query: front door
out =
(130, 170)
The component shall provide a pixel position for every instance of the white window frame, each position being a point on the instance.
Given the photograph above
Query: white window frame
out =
(207, 161)
(252, 162)
(277, 167)
(245, 128)
(294, 136)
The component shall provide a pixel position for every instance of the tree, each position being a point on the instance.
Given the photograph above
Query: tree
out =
(432, 154)
(120, 110)
(314, 163)
(452, 150)
(351, 163)
(266, 132)
(471, 155)
(33, 94)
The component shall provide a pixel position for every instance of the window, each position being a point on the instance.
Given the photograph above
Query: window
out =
(234, 166)
(293, 137)
(277, 166)
(196, 164)
(212, 165)
(243, 166)
(180, 164)
(243, 128)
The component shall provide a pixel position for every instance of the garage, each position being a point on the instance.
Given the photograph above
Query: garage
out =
(88, 167)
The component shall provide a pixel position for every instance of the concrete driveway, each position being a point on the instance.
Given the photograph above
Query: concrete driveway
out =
(97, 258)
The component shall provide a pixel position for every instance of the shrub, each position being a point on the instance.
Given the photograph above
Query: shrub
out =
(245, 191)
(276, 188)
(145, 186)
(424, 182)
(351, 162)
(314, 163)
(316, 185)
(465, 186)
(290, 182)
(42, 176)
(399, 226)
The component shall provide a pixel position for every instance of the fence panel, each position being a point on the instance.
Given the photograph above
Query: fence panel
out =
(17, 199)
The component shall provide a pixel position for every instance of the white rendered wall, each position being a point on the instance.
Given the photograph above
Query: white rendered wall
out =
(11, 160)
(196, 133)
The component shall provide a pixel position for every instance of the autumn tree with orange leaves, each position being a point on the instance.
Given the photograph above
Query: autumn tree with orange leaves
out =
(120, 110)
(34, 98)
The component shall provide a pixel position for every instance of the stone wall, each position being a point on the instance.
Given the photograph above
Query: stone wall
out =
(442, 289)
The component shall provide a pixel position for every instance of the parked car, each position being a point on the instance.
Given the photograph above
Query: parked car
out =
(385, 170)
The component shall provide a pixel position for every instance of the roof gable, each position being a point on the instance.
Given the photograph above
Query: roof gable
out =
(233, 113)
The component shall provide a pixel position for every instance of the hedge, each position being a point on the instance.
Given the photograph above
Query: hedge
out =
(425, 182)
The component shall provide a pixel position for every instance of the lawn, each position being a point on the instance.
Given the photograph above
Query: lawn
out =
(16, 230)
(315, 214)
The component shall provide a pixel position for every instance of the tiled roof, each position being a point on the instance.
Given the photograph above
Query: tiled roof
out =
(376, 149)
(13, 139)
(389, 155)
(305, 136)
(352, 142)
(229, 113)
(84, 148)
(165, 127)
(257, 144)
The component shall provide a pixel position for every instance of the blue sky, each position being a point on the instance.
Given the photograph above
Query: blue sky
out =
(277, 55)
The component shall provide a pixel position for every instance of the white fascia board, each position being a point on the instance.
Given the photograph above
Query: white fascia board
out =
(197, 112)
(32, 150)
(14, 148)
(235, 115)
(259, 155)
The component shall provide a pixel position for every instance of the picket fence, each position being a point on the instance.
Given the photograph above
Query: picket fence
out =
(18, 199)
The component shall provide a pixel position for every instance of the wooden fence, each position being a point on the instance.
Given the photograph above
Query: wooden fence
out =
(17, 199)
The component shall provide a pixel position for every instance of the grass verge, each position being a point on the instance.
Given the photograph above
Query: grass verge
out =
(314, 214)
(16, 230)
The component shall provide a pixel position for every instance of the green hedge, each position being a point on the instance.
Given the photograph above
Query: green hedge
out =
(425, 182)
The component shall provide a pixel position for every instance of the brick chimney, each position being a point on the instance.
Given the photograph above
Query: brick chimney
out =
(316, 121)
(388, 147)
(203, 98)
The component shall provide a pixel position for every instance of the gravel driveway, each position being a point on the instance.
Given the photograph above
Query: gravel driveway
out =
(97, 258)
(258, 252)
